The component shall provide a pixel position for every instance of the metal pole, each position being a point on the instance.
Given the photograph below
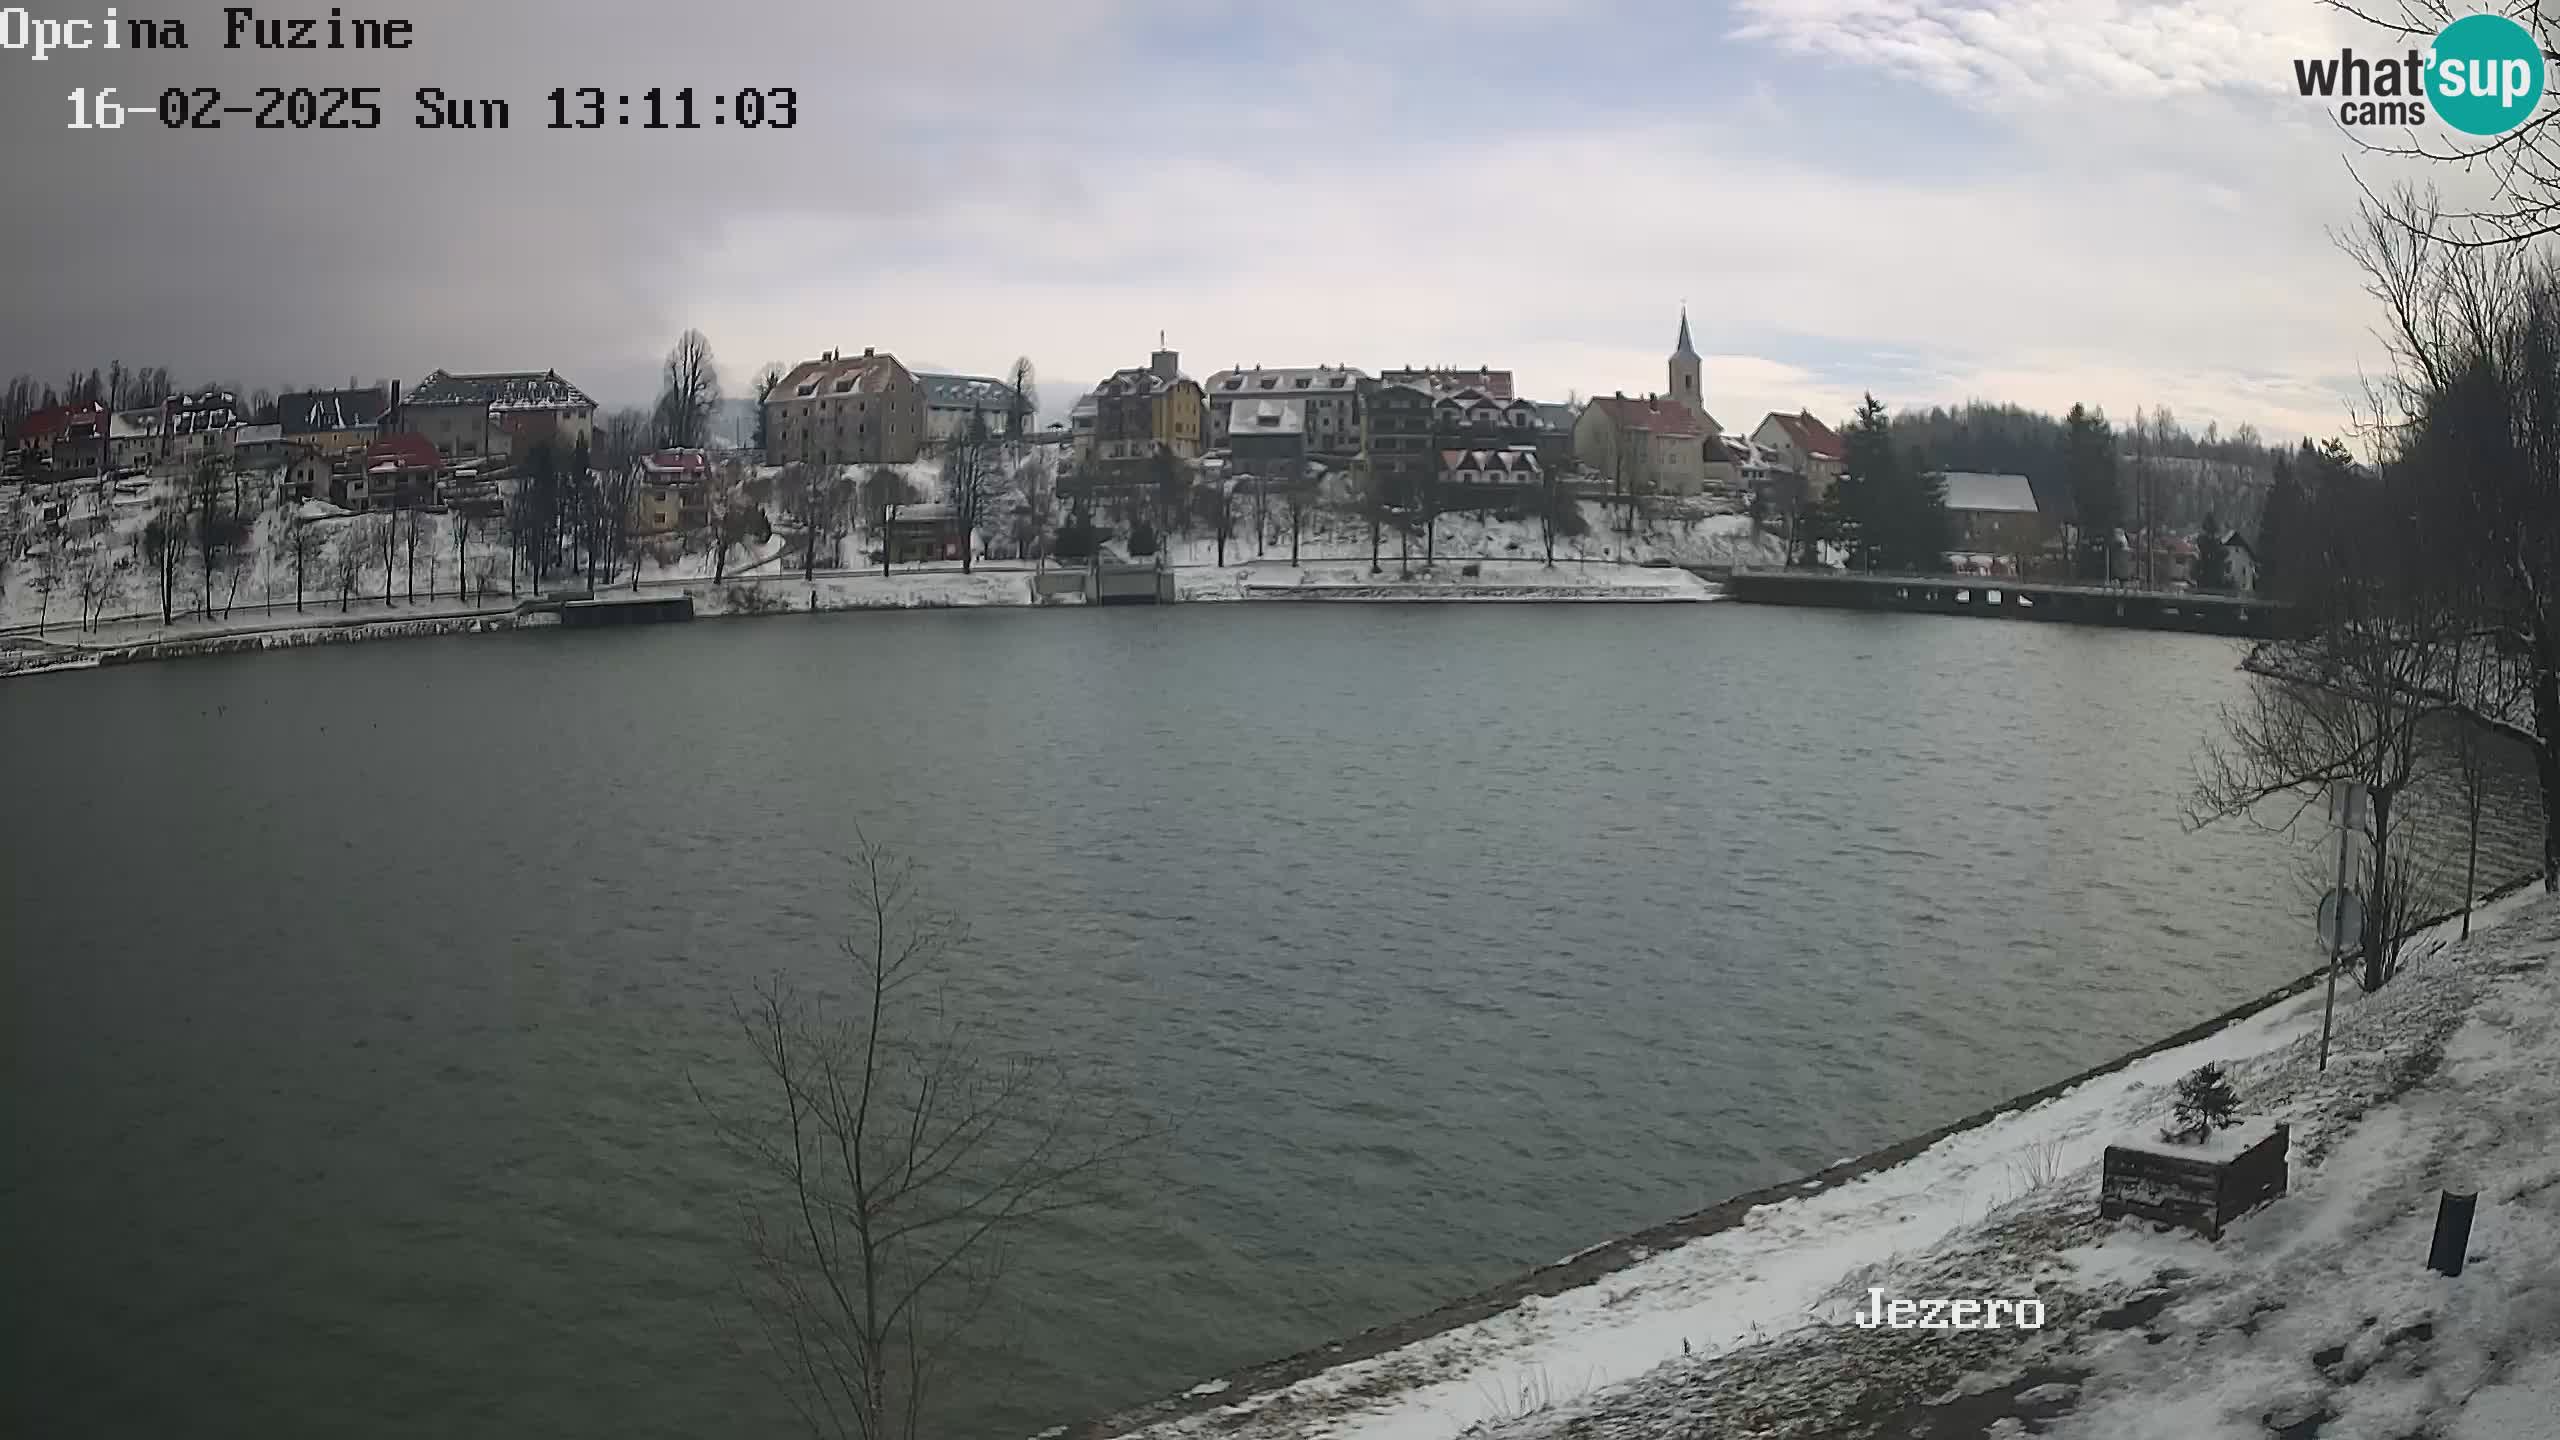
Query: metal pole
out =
(2344, 800)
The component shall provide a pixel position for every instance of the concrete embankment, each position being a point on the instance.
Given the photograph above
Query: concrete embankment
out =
(28, 657)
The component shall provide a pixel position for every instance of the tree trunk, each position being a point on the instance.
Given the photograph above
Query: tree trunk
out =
(2381, 903)
(2546, 764)
(2471, 865)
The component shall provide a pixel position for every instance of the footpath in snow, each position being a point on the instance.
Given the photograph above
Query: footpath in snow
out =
(2312, 1317)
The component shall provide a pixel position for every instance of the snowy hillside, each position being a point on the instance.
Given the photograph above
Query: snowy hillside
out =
(2313, 1313)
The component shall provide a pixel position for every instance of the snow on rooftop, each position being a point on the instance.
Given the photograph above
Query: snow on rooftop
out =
(1970, 490)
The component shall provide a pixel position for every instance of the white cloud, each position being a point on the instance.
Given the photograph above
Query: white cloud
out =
(2044, 52)
(2088, 281)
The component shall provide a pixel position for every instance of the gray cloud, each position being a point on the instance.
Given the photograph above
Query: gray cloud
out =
(271, 256)
(1066, 177)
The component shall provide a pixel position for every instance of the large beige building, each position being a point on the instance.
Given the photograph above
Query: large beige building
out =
(841, 409)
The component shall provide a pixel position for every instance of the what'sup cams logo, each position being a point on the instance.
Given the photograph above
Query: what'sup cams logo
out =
(2483, 75)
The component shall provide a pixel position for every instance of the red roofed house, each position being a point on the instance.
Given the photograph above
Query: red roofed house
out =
(1806, 446)
(1651, 446)
(399, 474)
(69, 439)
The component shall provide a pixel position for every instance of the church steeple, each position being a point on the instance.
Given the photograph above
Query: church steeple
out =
(1684, 367)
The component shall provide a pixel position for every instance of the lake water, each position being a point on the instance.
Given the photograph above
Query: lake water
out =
(354, 994)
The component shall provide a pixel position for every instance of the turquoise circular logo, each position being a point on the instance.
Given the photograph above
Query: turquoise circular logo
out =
(2485, 75)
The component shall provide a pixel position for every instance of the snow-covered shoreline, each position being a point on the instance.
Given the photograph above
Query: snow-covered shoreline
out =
(1741, 1310)
(128, 641)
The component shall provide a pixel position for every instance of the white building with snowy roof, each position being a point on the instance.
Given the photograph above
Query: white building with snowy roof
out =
(1994, 514)
(951, 401)
(134, 438)
(1329, 396)
(498, 413)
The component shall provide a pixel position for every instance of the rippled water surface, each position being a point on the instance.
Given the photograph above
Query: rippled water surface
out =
(353, 993)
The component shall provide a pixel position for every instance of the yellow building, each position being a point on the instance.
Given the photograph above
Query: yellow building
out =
(1138, 412)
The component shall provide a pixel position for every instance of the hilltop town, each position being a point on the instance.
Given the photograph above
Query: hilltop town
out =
(133, 504)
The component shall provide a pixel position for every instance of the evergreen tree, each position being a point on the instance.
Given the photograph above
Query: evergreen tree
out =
(1889, 507)
(1863, 493)
(2213, 557)
(1921, 530)
(2205, 1103)
(2089, 473)
(2279, 520)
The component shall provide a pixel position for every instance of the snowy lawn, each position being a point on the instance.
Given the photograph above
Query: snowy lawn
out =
(1494, 580)
(2448, 1077)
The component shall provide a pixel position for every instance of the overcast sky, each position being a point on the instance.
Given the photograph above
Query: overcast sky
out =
(2046, 201)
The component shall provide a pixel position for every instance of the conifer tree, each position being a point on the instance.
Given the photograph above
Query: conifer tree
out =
(1922, 531)
(2278, 519)
(2205, 1103)
(2089, 472)
(2213, 557)
(1860, 497)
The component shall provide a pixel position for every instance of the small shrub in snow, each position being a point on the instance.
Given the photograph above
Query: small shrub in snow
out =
(753, 600)
(1077, 539)
(2205, 1103)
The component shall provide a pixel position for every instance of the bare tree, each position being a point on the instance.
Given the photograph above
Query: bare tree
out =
(50, 564)
(2349, 700)
(768, 380)
(839, 495)
(96, 582)
(215, 532)
(1037, 480)
(1295, 502)
(885, 492)
(974, 481)
(2474, 336)
(165, 544)
(895, 1160)
(1213, 502)
(1022, 406)
(628, 435)
(346, 563)
(688, 394)
(382, 547)
(2522, 165)
(724, 526)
